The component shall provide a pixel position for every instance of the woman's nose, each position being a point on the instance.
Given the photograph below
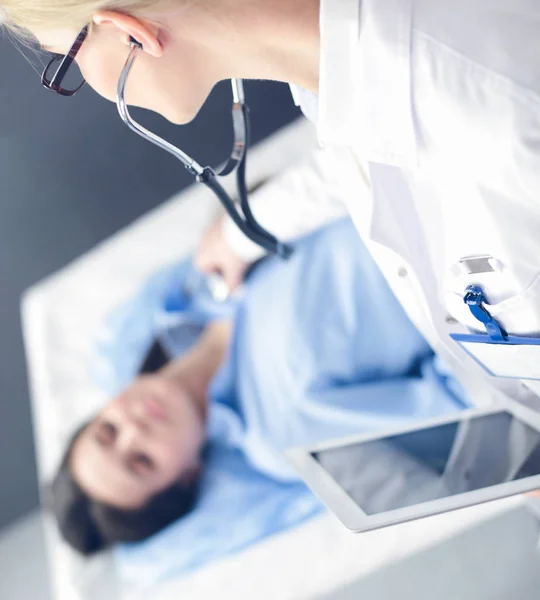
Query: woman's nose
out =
(135, 413)
(139, 415)
(128, 436)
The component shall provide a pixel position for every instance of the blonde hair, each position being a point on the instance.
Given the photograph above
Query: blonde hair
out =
(21, 16)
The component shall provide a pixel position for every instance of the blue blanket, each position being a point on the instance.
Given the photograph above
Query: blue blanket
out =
(321, 349)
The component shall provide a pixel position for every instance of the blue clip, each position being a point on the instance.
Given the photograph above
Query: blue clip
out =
(475, 299)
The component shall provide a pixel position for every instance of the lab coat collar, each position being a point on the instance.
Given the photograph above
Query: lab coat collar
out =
(307, 101)
(365, 82)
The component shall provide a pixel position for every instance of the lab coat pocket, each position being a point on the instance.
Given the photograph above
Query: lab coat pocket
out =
(507, 343)
(518, 314)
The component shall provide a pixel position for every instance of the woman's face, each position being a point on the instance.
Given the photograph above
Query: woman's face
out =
(143, 441)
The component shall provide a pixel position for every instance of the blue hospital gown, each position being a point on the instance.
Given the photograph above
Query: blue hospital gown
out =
(322, 349)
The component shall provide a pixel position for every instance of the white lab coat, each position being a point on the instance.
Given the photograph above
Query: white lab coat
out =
(429, 115)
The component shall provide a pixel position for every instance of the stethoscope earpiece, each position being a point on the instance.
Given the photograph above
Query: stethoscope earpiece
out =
(134, 42)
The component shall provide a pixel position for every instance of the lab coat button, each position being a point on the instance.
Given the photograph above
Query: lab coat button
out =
(402, 272)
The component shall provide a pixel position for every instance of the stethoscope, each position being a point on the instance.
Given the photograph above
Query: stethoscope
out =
(236, 162)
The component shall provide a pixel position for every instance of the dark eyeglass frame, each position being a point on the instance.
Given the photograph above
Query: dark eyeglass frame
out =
(55, 83)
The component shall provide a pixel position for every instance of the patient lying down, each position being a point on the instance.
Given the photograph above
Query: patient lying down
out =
(134, 468)
(305, 358)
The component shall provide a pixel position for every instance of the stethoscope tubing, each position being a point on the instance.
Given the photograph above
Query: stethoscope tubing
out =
(244, 220)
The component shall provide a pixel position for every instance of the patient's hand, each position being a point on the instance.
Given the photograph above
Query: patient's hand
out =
(214, 255)
(533, 494)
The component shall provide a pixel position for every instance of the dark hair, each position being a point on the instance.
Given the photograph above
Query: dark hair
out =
(89, 526)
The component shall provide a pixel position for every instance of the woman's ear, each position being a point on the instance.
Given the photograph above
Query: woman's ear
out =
(146, 34)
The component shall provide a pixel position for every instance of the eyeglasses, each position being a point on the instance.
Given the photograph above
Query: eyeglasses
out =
(60, 75)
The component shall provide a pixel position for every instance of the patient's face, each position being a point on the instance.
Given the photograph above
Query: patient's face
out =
(142, 442)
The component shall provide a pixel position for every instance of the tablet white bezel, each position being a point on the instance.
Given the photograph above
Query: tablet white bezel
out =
(353, 517)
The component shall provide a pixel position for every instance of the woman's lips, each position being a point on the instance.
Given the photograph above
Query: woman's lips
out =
(155, 408)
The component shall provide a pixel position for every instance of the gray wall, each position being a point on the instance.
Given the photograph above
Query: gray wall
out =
(72, 174)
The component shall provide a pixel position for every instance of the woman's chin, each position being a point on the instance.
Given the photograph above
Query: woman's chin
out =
(179, 117)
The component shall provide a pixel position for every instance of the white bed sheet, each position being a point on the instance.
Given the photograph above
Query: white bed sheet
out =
(60, 318)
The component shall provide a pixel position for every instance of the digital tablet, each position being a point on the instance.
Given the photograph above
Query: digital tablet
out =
(435, 466)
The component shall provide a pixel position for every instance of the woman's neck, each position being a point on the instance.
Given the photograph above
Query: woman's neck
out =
(257, 39)
(291, 42)
(285, 37)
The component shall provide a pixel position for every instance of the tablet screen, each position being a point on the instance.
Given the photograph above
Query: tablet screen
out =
(433, 463)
